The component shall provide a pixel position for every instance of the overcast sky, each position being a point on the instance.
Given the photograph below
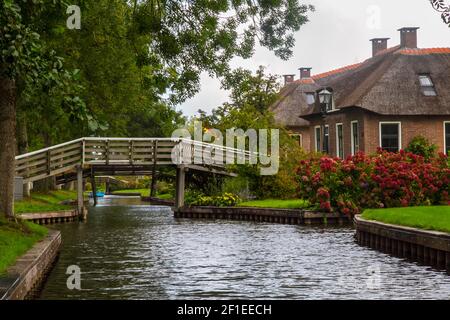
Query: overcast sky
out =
(337, 34)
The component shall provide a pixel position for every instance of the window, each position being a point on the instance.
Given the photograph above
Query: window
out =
(390, 136)
(318, 142)
(310, 98)
(355, 137)
(297, 138)
(340, 140)
(326, 142)
(427, 85)
(447, 137)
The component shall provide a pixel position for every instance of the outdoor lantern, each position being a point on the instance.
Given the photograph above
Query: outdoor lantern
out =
(325, 99)
(325, 96)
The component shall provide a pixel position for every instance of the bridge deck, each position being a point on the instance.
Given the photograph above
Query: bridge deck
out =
(121, 155)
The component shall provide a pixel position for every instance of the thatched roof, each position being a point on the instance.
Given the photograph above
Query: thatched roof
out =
(385, 84)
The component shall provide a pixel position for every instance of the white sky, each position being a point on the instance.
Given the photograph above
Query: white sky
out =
(337, 34)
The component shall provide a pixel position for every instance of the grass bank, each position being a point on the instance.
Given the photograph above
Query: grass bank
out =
(16, 239)
(276, 204)
(429, 218)
(45, 202)
(145, 193)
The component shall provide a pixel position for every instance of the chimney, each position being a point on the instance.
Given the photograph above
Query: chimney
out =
(408, 37)
(378, 45)
(305, 73)
(288, 78)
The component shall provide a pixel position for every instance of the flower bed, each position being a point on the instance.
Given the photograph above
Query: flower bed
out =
(377, 181)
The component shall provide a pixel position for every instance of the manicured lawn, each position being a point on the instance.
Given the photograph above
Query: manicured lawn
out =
(430, 218)
(16, 239)
(276, 203)
(145, 193)
(45, 202)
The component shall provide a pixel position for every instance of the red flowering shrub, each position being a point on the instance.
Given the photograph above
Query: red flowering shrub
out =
(377, 181)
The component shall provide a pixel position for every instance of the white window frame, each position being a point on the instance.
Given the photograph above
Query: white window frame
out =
(399, 123)
(315, 138)
(337, 140)
(352, 140)
(299, 136)
(445, 138)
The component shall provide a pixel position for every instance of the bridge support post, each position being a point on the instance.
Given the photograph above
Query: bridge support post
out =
(94, 187)
(80, 199)
(180, 185)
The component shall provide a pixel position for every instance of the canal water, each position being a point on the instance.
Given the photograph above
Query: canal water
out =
(128, 250)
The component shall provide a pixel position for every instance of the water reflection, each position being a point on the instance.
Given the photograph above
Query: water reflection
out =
(141, 252)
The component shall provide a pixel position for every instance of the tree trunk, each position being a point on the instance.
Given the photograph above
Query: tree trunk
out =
(7, 145)
(22, 144)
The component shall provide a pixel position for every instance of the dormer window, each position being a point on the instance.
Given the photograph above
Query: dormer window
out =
(310, 98)
(427, 85)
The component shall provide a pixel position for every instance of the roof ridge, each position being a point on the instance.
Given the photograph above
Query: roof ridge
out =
(423, 51)
(336, 71)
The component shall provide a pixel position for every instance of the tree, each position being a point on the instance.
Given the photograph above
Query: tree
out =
(24, 61)
(132, 57)
(250, 97)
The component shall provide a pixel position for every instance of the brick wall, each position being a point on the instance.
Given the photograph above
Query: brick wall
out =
(306, 136)
(431, 127)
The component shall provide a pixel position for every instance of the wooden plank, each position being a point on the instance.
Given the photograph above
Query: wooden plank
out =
(67, 148)
(66, 161)
(94, 150)
(26, 165)
(66, 155)
(35, 157)
(119, 150)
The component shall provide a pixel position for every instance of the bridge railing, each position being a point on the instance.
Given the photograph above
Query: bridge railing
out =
(49, 161)
(124, 151)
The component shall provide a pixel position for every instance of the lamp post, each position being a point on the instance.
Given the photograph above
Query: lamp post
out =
(325, 100)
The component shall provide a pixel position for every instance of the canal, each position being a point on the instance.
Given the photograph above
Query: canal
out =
(128, 250)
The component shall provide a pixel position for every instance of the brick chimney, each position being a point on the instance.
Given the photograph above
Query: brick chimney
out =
(305, 73)
(408, 37)
(378, 45)
(288, 78)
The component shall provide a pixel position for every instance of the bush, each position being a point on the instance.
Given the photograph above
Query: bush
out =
(419, 145)
(378, 181)
(193, 198)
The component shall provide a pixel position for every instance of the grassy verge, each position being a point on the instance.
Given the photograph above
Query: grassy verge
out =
(430, 218)
(45, 202)
(276, 204)
(16, 239)
(145, 193)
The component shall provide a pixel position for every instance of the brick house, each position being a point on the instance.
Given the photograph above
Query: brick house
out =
(385, 101)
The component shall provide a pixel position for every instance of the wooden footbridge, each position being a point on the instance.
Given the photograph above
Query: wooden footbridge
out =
(87, 157)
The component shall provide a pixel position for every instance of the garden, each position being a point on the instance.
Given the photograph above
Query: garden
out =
(415, 177)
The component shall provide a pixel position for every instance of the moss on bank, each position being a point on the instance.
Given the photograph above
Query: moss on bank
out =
(429, 218)
(16, 239)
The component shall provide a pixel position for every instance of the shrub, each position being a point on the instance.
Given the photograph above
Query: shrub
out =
(419, 145)
(382, 180)
(193, 198)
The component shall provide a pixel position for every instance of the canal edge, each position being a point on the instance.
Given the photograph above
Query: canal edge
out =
(270, 215)
(431, 248)
(30, 270)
